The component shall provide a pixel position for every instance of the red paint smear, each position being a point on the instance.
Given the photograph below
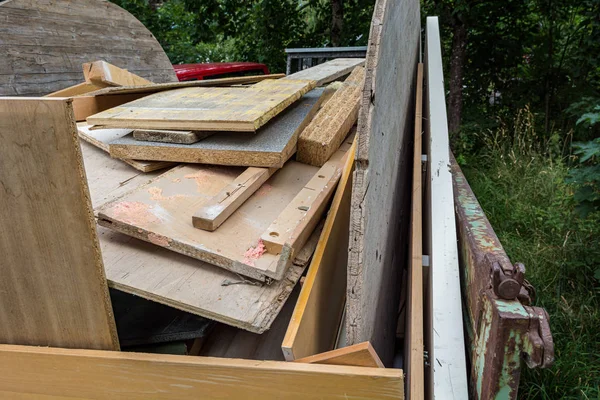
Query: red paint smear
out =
(254, 253)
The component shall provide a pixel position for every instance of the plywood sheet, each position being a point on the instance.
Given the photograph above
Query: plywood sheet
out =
(207, 108)
(271, 146)
(328, 71)
(45, 42)
(358, 355)
(53, 290)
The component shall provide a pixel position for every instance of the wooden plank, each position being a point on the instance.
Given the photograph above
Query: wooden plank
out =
(101, 72)
(53, 290)
(45, 42)
(449, 376)
(358, 355)
(290, 229)
(88, 374)
(414, 344)
(380, 189)
(77, 90)
(101, 138)
(270, 147)
(84, 106)
(216, 210)
(236, 109)
(181, 137)
(314, 325)
(321, 138)
(328, 71)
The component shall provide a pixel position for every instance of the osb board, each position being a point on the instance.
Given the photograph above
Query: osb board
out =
(161, 275)
(207, 108)
(45, 42)
(102, 137)
(61, 374)
(53, 289)
(381, 184)
(328, 71)
(271, 146)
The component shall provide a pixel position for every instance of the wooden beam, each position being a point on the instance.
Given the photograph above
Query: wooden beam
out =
(101, 72)
(314, 325)
(33, 372)
(358, 355)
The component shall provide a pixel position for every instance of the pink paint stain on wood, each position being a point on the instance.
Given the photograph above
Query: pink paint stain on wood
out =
(264, 190)
(133, 213)
(156, 193)
(202, 177)
(254, 253)
(159, 240)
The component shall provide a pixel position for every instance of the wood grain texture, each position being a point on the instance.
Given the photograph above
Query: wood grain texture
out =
(271, 146)
(357, 355)
(160, 275)
(216, 210)
(380, 188)
(414, 344)
(102, 137)
(207, 108)
(321, 138)
(328, 71)
(85, 105)
(48, 373)
(77, 90)
(315, 323)
(101, 72)
(45, 42)
(181, 137)
(53, 290)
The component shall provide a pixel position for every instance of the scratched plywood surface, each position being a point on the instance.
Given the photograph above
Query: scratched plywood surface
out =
(207, 108)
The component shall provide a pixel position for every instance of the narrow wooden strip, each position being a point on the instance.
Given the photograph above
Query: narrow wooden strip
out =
(358, 355)
(164, 136)
(216, 210)
(85, 105)
(314, 326)
(77, 90)
(88, 374)
(328, 71)
(103, 73)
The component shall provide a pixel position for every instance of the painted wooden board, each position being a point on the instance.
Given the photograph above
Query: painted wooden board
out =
(358, 355)
(161, 212)
(321, 138)
(217, 209)
(381, 184)
(102, 137)
(414, 343)
(315, 323)
(53, 290)
(45, 42)
(160, 275)
(271, 146)
(104, 73)
(61, 374)
(328, 71)
(239, 109)
(181, 137)
(447, 351)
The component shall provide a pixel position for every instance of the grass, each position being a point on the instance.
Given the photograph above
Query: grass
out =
(521, 186)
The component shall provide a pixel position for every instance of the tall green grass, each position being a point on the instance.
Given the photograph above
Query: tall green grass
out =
(519, 179)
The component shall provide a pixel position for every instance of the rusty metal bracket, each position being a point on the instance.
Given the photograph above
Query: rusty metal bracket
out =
(538, 344)
(507, 279)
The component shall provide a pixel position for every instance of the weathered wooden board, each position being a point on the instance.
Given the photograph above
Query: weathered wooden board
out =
(358, 355)
(181, 137)
(102, 137)
(239, 109)
(449, 376)
(315, 323)
(53, 289)
(381, 183)
(86, 105)
(104, 73)
(77, 90)
(161, 275)
(45, 42)
(328, 71)
(271, 146)
(62, 374)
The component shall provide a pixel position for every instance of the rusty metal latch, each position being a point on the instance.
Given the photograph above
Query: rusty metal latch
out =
(508, 279)
(538, 345)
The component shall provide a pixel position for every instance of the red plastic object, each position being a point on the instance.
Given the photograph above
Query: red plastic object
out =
(193, 72)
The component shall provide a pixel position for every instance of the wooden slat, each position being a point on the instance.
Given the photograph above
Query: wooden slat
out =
(53, 291)
(321, 138)
(77, 90)
(328, 71)
(314, 325)
(358, 355)
(216, 210)
(101, 72)
(86, 105)
(164, 136)
(63, 374)
(415, 364)
(210, 109)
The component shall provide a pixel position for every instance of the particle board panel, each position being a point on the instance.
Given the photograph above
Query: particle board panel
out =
(53, 290)
(380, 210)
(449, 370)
(315, 323)
(108, 74)
(239, 109)
(328, 71)
(358, 355)
(49, 373)
(271, 146)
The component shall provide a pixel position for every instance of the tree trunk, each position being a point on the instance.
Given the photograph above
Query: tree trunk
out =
(337, 21)
(457, 64)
